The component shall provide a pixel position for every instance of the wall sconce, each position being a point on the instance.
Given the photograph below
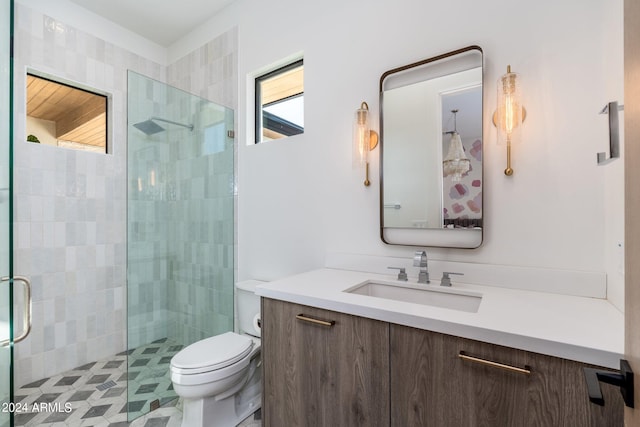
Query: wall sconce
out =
(364, 140)
(509, 114)
(456, 163)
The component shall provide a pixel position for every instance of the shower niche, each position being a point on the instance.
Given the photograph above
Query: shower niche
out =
(180, 231)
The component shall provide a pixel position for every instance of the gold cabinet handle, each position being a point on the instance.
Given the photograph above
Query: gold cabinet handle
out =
(328, 323)
(526, 370)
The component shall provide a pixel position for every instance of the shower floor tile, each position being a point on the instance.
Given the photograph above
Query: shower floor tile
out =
(80, 397)
(75, 398)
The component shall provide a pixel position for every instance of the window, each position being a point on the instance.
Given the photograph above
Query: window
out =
(280, 103)
(65, 116)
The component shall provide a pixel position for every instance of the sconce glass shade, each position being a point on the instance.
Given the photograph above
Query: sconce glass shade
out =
(361, 136)
(456, 163)
(509, 113)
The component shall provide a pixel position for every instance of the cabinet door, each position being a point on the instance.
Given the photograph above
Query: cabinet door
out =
(432, 385)
(319, 375)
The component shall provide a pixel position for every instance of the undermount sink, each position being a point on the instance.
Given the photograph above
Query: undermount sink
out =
(420, 294)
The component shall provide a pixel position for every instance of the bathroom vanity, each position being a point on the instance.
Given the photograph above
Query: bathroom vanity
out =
(339, 358)
(332, 373)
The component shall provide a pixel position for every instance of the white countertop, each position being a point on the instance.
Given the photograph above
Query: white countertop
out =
(584, 329)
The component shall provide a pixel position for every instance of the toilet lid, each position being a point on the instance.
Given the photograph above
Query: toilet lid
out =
(211, 353)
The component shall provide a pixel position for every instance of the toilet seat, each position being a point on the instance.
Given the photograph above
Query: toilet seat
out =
(211, 354)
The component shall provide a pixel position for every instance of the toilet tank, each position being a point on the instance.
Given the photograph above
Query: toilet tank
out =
(248, 307)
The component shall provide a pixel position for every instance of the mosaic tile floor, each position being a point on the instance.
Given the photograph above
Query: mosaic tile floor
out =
(95, 394)
(149, 375)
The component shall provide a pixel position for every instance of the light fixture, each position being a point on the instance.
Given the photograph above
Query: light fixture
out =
(509, 114)
(456, 163)
(364, 140)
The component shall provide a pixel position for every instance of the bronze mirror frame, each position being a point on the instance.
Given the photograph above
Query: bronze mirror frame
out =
(458, 237)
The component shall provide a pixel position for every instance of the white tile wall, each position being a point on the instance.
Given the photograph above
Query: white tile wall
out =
(70, 206)
(212, 73)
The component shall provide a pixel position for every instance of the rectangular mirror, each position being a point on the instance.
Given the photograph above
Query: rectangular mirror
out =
(431, 151)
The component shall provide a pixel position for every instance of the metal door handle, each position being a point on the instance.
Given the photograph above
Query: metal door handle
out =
(612, 109)
(526, 370)
(316, 321)
(622, 378)
(27, 308)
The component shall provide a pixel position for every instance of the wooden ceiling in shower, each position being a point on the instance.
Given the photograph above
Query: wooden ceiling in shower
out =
(80, 116)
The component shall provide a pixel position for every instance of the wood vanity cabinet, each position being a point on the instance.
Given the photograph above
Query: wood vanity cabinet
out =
(363, 372)
(431, 385)
(315, 374)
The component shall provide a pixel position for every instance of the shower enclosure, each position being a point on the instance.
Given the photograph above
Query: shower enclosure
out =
(180, 231)
(6, 294)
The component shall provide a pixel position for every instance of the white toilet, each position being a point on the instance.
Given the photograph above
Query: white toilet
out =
(218, 378)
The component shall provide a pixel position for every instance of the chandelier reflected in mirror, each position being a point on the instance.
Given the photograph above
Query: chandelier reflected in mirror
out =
(455, 163)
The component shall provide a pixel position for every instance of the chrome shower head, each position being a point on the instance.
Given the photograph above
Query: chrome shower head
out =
(149, 127)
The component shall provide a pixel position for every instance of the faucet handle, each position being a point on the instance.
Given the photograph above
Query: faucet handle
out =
(402, 274)
(446, 280)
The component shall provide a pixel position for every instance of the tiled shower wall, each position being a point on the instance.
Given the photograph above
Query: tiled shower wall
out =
(211, 72)
(148, 218)
(70, 206)
(203, 280)
(180, 232)
(200, 291)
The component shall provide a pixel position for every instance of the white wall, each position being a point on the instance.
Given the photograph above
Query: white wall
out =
(300, 198)
(44, 130)
(614, 172)
(413, 121)
(414, 162)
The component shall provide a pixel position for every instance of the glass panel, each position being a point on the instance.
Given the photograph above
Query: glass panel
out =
(280, 103)
(6, 374)
(180, 231)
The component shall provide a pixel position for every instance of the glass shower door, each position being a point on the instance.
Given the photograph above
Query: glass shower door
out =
(6, 365)
(180, 231)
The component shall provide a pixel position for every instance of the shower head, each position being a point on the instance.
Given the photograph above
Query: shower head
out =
(150, 126)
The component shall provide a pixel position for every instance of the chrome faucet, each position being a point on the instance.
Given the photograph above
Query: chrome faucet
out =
(446, 280)
(402, 273)
(420, 260)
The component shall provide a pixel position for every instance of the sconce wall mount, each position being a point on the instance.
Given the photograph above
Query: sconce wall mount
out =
(509, 114)
(364, 140)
